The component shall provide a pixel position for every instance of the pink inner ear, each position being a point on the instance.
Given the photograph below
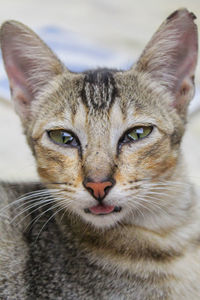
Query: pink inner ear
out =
(187, 56)
(171, 57)
(186, 64)
(18, 84)
(172, 49)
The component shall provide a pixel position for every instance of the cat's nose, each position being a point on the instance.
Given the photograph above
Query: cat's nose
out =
(99, 189)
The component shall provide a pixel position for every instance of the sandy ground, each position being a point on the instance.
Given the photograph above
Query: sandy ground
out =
(121, 25)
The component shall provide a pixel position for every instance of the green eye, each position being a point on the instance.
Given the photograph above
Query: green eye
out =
(138, 133)
(62, 137)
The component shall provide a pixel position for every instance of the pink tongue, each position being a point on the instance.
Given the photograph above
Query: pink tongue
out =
(100, 209)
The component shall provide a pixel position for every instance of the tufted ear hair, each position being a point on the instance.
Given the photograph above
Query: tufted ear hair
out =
(29, 64)
(170, 57)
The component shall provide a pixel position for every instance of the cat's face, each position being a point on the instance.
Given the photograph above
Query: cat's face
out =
(107, 141)
(104, 145)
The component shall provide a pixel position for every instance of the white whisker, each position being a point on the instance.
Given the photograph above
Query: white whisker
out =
(41, 214)
(26, 197)
(59, 202)
(57, 211)
(37, 205)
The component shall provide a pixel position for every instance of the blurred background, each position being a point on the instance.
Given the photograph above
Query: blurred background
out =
(88, 33)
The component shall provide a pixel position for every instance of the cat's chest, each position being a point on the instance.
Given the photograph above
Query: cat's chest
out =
(58, 269)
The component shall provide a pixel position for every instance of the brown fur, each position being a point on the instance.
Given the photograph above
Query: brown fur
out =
(150, 248)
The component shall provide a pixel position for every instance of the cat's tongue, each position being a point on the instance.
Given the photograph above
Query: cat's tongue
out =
(101, 209)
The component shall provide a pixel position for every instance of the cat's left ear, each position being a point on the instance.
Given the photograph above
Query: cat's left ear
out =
(170, 57)
(29, 63)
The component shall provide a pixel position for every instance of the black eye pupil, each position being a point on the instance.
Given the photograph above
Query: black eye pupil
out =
(66, 138)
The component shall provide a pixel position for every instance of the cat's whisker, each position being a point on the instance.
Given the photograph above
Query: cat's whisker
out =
(37, 205)
(49, 219)
(148, 196)
(38, 193)
(135, 207)
(29, 202)
(31, 195)
(161, 189)
(152, 199)
(166, 182)
(138, 209)
(21, 199)
(161, 194)
(167, 186)
(158, 185)
(33, 221)
(64, 213)
(155, 205)
(151, 206)
(170, 183)
(152, 209)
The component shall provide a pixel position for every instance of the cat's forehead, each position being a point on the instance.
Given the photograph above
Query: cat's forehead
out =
(100, 96)
(100, 93)
(102, 88)
(99, 89)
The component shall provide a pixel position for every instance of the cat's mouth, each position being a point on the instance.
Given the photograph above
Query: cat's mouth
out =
(102, 209)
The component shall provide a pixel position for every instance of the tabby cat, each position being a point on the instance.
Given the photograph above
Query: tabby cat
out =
(115, 216)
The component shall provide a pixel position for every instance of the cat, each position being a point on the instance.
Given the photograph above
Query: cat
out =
(115, 215)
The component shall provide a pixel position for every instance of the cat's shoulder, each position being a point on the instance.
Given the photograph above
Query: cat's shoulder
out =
(14, 251)
(11, 199)
(12, 196)
(12, 190)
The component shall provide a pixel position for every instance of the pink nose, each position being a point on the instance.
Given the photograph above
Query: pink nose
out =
(98, 189)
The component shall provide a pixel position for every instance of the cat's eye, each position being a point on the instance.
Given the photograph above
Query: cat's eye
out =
(138, 133)
(135, 134)
(63, 138)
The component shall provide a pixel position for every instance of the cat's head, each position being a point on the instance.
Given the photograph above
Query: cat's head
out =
(107, 141)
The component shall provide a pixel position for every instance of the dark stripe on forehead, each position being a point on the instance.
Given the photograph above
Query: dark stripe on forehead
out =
(99, 89)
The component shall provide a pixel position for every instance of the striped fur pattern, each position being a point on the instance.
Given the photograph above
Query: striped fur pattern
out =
(148, 247)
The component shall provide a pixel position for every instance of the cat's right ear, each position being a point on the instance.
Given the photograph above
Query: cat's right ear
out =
(170, 57)
(29, 63)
